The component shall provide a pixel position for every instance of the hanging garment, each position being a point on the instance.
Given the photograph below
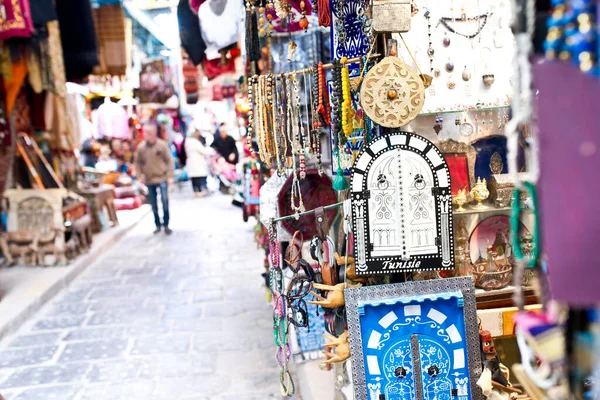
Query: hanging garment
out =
(190, 80)
(189, 32)
(110, 30)
(42, 12)
(56, 59)
(113, 121)
(78, 38)
(220, 22)
(16, 21)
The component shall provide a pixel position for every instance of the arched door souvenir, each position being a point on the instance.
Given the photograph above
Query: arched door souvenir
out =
(401, 206)
(392, 93)
(416, 340)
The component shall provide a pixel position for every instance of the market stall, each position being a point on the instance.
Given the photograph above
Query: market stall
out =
(402, 217)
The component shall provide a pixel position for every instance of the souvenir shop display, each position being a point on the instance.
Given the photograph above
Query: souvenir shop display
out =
(417, 226)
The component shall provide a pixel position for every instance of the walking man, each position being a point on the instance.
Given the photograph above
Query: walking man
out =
(155, 167)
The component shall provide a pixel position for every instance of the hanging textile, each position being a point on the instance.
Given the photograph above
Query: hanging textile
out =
(57, 65)
(16, 21)
(189, 32)
(42, 12)
(5, 141)
(220, 25)
(113, 121)
(78, 38)
(190, 79)
(110, 30)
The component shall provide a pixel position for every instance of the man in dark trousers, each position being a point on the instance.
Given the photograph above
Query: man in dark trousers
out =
(225, 145)
(155, 167)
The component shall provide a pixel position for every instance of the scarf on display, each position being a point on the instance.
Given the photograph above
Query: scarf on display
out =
(189, 32)
(110, 30)
(16, 21)
(78, 38)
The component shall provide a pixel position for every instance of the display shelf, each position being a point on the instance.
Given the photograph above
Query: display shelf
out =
(487, 299)
(470, 209)
(466, 109)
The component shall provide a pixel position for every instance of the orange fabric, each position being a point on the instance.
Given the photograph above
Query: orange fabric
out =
(13, 86)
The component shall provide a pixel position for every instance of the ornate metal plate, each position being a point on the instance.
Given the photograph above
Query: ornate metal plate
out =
(415, 340)
(392, 93)
(269, 205)
(401, 206)
(350, 29)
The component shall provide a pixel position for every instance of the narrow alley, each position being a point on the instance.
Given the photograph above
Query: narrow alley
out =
(156, 317)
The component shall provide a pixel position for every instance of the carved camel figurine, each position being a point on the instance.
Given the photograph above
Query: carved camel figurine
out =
(342, 348)
(350, 264)
(335, 295)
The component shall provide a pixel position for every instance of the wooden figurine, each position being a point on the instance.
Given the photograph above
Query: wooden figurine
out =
(350, 265)
(335, 295)
(342, 348)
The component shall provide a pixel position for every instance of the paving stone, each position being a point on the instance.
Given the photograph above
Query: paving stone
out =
(61, 309)
(174, 299)
(202, 325)
(166, 365)
(130, 390)
(122, 316)
(46, 375)
(132, 303)
(61, 322)
(208, 296)
(180, 388)
(95, 333)
(187, 312)
(122, 371)
(161, 344)
(26, 356)
(48, 393)
(93, 350)
(149, 271)
(120, 291)
(35, 339)
(219, 342)
(141, 328)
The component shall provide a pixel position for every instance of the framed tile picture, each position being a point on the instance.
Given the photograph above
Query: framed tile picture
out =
(415, 340)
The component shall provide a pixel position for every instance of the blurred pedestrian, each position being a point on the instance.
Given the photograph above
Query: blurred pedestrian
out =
(225, 145)
(155, 167)
(197, 165)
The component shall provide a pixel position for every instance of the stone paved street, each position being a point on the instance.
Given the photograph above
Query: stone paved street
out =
(157, 317)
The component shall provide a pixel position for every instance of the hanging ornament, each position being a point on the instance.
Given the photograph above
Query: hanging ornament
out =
(391, 16)
(446, 40)
(449, 66)
(392, 93)
(303, 20)
(347, 110)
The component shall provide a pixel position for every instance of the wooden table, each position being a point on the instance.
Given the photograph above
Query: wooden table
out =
(98, 198)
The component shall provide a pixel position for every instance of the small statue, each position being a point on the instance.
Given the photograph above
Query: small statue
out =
(490, 358)
(342, 348)
(335, 295)
(350, 264)
(460, 199)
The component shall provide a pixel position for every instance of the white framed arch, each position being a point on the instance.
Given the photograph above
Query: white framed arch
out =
(401, 206)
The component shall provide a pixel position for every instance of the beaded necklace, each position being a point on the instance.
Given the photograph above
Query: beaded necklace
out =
(250, 133)
(347, 113)
(293, 135)
(323, 97)
(281, 143)
(316, 140)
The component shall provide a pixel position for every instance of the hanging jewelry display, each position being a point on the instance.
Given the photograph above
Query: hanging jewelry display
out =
(481, 19)
(401, 206)
(392, 93)
(451, 84)
(350, 29)
(446, 40)
(279, 119)
(391, 16)
(449, 66)
(466, 128)
(250, 133)
(303, 20)
(488, 78)
(438, 124)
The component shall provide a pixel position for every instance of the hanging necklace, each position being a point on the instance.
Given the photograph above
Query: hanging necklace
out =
(336, 123)
(250, 133)
(299, 127)
(481, 19)
(347, 111)
(323, 109)
(279, 116)
(316, 139)
(430, 50)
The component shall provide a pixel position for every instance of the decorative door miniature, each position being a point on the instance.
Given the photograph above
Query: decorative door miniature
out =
(417, 340)
(401, 206)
